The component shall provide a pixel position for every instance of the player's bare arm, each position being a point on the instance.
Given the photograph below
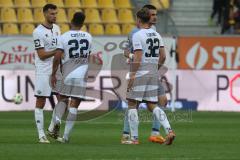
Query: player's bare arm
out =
(42, 54)
(126, 53)
(135, 66)
(56, 63)
(162, 57)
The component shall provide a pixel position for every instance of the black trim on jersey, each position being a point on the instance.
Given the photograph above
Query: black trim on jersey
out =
(41, 96)
(60, 49)
(61, 64)
(137, 50)
(146, 101)
(55, 93)
(39, 48)
(81, 99)
(143, 101)
(47, 27)
(161, 46)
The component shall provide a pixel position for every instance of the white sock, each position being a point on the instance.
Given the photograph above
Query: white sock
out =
(52, 123)
(156, 121)
(39, 122)
(71, 118)
(60, 110)
(164, 121)
(126, 129)
(133, 122)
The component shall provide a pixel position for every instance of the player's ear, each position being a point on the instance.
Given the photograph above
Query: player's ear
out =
(45, 14)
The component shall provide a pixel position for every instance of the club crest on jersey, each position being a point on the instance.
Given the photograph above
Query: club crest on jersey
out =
(39, 92)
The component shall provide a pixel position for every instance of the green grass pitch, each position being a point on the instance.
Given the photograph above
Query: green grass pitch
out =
(200, 135)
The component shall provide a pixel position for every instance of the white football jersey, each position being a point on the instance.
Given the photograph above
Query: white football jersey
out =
(135, 30)
(149, 42)
(46, 38)
(75, 44)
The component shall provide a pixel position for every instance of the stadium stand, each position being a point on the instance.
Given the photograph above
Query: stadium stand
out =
(61, 16)
(112, 29)
(38, 15)
(89, 3)
(127, 28)
(38, 3)
(59, 3)
(6, 3)
(122, 4)
(71, 11)
(8, 15)
(84, 28)
(231, 18)
(72, 4)
(24, 15)
(105, 4)
(184, 14)
(160, 4)
(10, 29)
(26, 28)
(125, 16)
(102, 16)
(92, 16)
(64, 27)
(109, 16)
(22, 3)
(96, 29)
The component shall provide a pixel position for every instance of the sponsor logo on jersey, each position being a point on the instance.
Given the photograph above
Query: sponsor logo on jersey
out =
(39, 92)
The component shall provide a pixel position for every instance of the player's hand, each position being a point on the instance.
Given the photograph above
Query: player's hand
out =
(130, 83)
(53, 81)
(126, 53)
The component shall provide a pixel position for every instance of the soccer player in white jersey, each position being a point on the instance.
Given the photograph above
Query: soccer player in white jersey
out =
(143, 79)
(162, 99)
(73, 49)
(45, 38)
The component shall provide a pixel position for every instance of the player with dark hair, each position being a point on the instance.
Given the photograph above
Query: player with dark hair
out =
(73, 50)
(143, 78)
(162, 99)
(45, 38)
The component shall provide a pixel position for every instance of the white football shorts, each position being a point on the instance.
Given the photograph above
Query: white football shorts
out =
(144, 89)
(74, 83)
(42, 85)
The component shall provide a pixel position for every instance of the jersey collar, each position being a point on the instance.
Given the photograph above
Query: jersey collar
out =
(47, 27)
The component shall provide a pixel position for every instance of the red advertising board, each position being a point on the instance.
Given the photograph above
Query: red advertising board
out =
(217, 53)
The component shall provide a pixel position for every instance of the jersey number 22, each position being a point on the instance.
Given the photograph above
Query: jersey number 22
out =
(83, 49)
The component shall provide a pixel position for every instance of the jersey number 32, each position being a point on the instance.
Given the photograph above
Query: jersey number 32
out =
(153, 47)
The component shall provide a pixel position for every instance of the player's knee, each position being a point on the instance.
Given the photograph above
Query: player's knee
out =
(132, 104)
(162, 101)
(151, 106)
(75, 102)
(63, 99)
(40, 102)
